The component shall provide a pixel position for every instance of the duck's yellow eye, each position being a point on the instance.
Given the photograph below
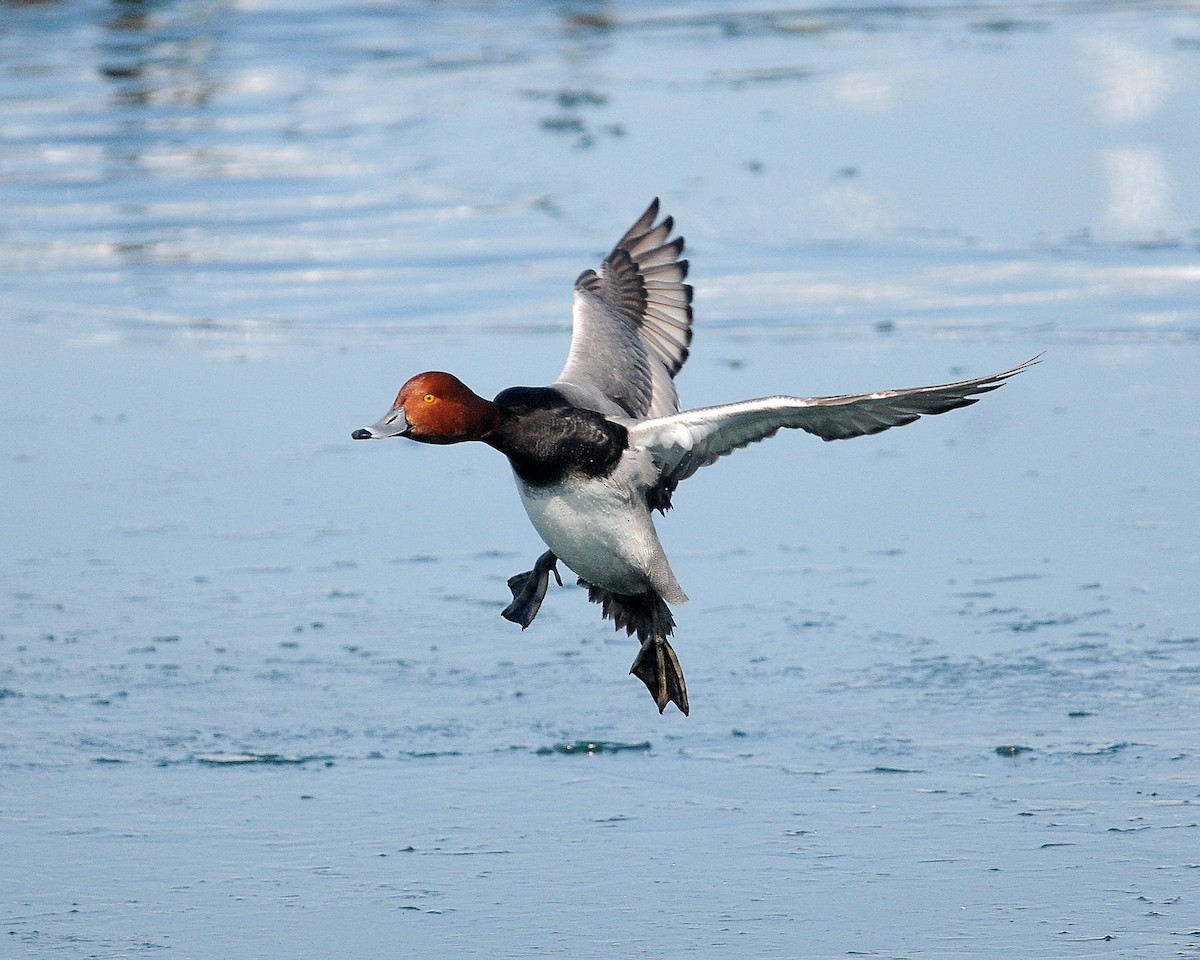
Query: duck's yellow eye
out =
(428, 398)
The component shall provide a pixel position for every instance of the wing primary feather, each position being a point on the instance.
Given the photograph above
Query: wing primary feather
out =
(669, 288)
(641, 226)
(663, 298)
(677, 329)
(676, 271)
(657, 256)
(650, 239)
(632, 323)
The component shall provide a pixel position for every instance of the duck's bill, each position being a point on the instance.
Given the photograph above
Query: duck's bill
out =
(393, 424)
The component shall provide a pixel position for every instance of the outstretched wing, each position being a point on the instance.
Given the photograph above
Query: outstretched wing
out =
(632, 325)
(685, 442)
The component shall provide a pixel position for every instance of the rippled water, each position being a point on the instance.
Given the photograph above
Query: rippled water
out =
(255, 696)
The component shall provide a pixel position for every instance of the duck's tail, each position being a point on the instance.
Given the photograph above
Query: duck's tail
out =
(656, 665)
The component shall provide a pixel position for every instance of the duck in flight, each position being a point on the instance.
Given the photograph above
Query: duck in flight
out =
(605, 445)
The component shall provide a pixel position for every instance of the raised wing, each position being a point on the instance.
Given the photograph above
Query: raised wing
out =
(632, 325)
(685, 442)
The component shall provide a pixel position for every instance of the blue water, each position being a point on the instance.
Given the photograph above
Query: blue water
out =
(256, 699)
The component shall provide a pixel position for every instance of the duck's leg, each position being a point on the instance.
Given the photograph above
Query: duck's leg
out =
(658, 668)
(529, 590)
(656, 665)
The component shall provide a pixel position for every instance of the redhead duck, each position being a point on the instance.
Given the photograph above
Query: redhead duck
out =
(606, 444)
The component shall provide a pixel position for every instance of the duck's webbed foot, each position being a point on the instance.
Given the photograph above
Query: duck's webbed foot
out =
(529, 590)
(656, 665)
(658, 668)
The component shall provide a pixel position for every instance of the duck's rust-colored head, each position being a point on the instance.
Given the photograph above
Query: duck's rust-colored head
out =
(435, 407)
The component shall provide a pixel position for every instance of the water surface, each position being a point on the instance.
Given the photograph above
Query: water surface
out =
(256, 699)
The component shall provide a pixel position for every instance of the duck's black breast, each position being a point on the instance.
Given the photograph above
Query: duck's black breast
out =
(548, 440)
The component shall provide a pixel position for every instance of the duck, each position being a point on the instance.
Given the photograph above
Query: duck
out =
(597, 452)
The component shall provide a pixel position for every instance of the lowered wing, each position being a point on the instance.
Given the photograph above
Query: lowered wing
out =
(685, 442)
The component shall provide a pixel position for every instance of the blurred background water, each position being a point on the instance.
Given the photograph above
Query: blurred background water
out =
(255, 696)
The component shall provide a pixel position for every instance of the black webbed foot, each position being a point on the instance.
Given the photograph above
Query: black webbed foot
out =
(658, 668)
(529, 590)
(656, 665)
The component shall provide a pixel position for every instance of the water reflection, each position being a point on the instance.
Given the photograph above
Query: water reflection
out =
(871, 91)
(210, 162)
(1133, 85)
(1133, 82)
(1139, 190)
(192, 574)
(153, 53)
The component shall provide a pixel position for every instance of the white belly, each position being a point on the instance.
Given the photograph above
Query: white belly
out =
(603, 531)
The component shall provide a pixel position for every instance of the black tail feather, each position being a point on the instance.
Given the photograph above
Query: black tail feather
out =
(656, 664)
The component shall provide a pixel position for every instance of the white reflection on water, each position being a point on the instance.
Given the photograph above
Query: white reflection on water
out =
(856, 210)
(1134, 84)
(210, 163)
(872, 91)
(1139, 189)
(1133, 81)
